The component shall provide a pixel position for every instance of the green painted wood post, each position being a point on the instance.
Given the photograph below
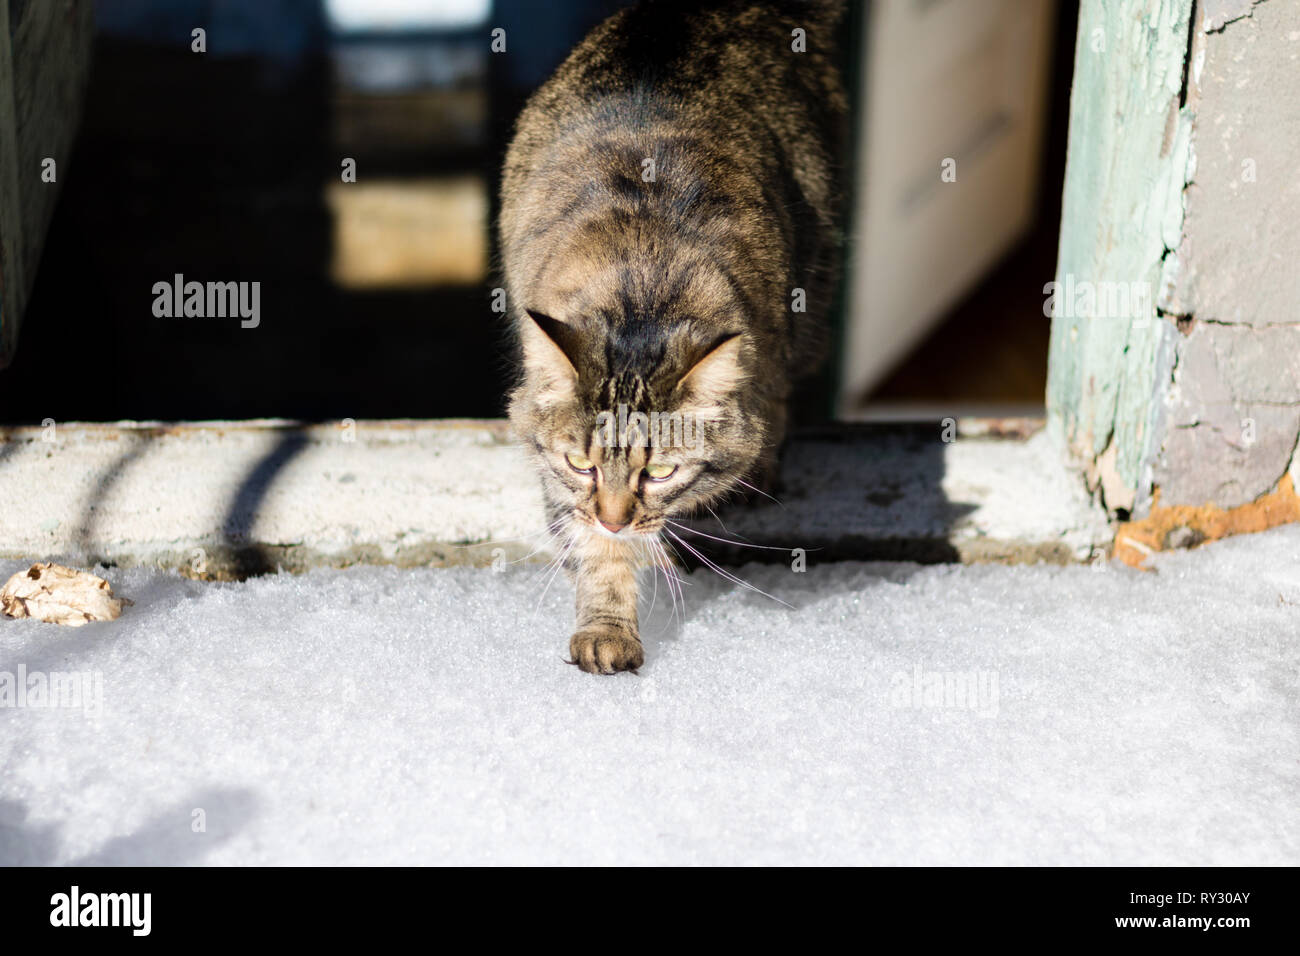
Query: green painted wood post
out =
(1111, 348)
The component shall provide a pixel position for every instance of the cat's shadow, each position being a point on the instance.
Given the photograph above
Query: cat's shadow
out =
(871, 495)
(787, 593)
(664, 611)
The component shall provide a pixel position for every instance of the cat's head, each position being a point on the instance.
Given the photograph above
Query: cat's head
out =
(635, 420)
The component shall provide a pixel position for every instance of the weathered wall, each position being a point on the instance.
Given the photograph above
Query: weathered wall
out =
(1234, 406)
(1181, 180)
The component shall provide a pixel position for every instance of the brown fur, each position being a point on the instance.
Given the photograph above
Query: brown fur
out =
(669, 293)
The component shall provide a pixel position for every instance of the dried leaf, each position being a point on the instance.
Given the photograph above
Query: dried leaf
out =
(58, 595)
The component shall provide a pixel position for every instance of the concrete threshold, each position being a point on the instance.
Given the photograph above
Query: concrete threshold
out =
(222, 500)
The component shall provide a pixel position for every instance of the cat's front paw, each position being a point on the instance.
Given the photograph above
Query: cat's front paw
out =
(605, 650)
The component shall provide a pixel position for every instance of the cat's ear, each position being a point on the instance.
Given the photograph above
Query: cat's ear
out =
(717, 371)
(551, 348)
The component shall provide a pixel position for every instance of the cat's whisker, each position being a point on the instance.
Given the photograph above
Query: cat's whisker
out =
(679, 610)
(725, 529)
(548, 567)
(759, 491)
(548, 535)
(661, 565)
(550, 529)
(654, 595)
(541, 547)
(675, 551)
(680, 582)
(728, 575)
(680, 559)
(559, 563)
(739, 544)
(673, 581)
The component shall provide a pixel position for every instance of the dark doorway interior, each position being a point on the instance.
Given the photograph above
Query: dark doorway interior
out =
(990, 353)
(226, 166)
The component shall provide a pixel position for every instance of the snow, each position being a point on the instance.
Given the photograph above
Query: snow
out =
(377, 715)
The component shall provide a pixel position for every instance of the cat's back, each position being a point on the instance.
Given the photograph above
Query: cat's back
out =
(725, 52)
(725, 74)
(719, 119)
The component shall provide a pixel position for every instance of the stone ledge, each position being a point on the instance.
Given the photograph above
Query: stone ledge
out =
(230, 499)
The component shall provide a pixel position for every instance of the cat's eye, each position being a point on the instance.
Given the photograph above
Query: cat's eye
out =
(580, 463)
(660, 472)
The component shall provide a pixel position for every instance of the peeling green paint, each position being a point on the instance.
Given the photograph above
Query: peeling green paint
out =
(1127, 166)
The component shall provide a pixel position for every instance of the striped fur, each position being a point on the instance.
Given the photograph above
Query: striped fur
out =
(665, 194)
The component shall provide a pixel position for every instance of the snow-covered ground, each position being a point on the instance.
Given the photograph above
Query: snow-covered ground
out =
(379, 716)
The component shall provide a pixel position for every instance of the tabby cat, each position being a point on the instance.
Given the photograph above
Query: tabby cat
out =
(669, 202)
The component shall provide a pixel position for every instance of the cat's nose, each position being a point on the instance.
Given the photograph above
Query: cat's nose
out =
(613, 528)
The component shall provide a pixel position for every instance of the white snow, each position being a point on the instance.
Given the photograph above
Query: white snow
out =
(378, 715)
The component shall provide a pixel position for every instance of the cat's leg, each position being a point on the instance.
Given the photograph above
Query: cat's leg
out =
(607, 639)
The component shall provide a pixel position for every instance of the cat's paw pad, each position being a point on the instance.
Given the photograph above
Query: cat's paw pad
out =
(604, 650)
